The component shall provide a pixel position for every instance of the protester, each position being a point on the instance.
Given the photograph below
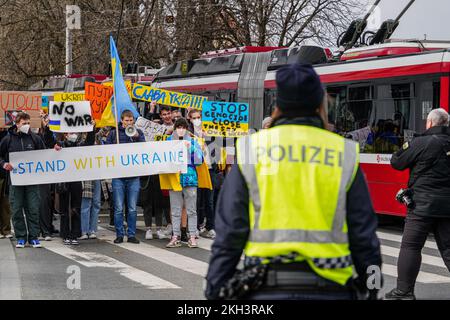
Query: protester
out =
(5, 210)
(70, 193)
(176, 114)
(185, 190)
(128, 187)
(164, 114)
(24, 200)
(205, 195)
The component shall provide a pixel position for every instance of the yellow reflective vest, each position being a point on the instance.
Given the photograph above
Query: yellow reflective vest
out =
(298, 178)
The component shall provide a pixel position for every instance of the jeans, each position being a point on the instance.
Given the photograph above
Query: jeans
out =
(189, 197)
(90, 208)
(415, 234)
(25, 203)
(130, 187)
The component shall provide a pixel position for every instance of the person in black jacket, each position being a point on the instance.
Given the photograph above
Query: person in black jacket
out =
(24, 200)
(428, 158)
(70, 193)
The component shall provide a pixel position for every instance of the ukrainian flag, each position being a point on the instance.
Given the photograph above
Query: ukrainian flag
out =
(123, 101)
(121, 96)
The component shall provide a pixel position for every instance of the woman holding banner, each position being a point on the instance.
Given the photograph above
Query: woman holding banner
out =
(71, 192)
(183, 187)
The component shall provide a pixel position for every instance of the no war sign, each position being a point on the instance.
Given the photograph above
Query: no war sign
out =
(98, 162)
(227, 119)
(70, 116)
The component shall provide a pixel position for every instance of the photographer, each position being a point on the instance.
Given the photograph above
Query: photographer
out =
(427, 199)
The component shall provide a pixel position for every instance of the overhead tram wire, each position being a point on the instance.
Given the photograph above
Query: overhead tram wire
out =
(120, 23)
(147, 20)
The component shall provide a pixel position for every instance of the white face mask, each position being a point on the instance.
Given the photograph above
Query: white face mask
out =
(72, 138)
(25, 128)
(197, 123)
(181, 132)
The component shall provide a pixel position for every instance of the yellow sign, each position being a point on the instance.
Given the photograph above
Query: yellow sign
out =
(168, 98)
(69, 97)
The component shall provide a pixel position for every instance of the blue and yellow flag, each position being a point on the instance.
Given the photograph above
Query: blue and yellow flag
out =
(123, 100)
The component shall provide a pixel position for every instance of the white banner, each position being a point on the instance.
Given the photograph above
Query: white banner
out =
(70, 116)
(98, 162)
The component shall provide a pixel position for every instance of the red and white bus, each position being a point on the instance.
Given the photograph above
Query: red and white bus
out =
(379, 95)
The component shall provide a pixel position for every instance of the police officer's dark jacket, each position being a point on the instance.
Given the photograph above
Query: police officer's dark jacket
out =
(232, 219)
(426, 156)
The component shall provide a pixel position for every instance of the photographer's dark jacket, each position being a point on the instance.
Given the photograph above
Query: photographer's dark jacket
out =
(426, 157)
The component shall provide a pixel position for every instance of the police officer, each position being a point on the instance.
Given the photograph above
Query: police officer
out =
(297, 192)
(428, 199)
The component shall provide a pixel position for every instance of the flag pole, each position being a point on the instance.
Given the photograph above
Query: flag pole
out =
(113, 71)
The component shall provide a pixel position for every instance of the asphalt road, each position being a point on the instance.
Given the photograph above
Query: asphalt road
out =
(99, 269)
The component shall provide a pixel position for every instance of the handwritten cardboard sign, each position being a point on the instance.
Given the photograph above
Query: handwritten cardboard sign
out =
(168, 98)
(225, 119)
(70, 116)
(98, 95)
(150, 129)
(29, 102)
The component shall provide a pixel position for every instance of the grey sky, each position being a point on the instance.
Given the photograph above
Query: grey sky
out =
(430, 17)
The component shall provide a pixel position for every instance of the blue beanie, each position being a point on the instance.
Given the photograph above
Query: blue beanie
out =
(299, 89)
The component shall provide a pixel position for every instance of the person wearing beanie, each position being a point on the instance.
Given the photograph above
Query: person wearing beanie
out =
(297, 204)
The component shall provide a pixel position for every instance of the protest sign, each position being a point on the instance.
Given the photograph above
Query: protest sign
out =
(150, 129)
(128, 85)
(160, 137)
(168, 98)
(227, 119)
(15, 101)
(70, 116)
(98, 162)
(98, 95)
(69, 97)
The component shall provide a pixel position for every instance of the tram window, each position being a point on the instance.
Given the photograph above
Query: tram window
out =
(392, 121)
(337, 99)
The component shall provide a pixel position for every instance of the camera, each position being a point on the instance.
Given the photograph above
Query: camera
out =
(404, 196)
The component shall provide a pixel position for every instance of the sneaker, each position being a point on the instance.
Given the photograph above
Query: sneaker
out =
(174, 243)
(9, 236)
(92, 236)
(35, 243)
(48, 238)
(192, 243)
(2, 236)
(397, 294)
(133, 240)
(161, 234)
(20, 244)
(118, 240)
(211, 234)
(83, 237)
(67, 242)
(149, 234)
(74, 242)
(168, 231)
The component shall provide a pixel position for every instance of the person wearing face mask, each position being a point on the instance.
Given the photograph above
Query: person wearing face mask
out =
(24, 200)
(205, 192)
(297, 204)
(183, 187)
(70, 193)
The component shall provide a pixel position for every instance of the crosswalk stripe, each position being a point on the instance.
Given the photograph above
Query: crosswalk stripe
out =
(397, 238)
(427, 259)
(171, 258)
(424, 277)
(96, 260)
